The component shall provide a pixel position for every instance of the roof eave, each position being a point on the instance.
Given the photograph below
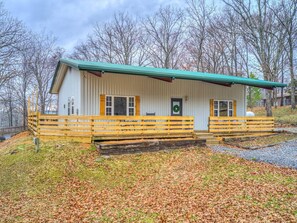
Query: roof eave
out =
(159, 72)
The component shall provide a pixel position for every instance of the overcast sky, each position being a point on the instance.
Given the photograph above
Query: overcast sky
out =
(71, 20)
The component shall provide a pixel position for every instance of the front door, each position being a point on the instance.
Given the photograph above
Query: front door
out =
(176, 106)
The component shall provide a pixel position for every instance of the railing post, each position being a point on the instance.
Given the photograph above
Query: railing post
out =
(37, 124)
(169, 126)
(28, 112)
(142, 125)
(209, 126)
(92, 127)
(66, 125)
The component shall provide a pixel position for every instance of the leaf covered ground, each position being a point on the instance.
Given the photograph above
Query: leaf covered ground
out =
(263, 141)
(69, 182)
(283, 115)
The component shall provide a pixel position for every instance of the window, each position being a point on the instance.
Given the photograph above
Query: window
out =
(120, 105)
(108, 105)
(71, 106)
(223, 108)
(131, 106)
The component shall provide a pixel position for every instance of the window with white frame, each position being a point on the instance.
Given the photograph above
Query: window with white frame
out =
(131, 106)
(120, 105)
(68, 107)
(108, 105)
(71, 106)
(223, 108)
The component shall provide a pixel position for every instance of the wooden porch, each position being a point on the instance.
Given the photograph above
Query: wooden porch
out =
(101, 128)
(89, 129)
(237, 127)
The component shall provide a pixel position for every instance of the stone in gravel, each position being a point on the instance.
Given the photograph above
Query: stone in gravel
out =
(283, 154)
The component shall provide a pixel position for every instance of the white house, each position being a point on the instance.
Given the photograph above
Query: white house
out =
(95, 88)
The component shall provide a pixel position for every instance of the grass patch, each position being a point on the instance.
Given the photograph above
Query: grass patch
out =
(262, 141)
(283, 115)
(70, 182)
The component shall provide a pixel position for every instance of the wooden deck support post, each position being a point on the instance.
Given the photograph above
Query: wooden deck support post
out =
(38, 124)
(92, 127)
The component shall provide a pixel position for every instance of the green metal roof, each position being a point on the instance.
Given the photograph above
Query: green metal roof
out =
(165, 73)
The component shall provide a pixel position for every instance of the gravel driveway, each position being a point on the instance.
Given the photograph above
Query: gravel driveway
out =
(284, 154)
(288, 129)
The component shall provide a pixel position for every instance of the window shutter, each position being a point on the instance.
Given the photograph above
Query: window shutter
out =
(102, 104)
(234, 108)
(211, 107)
(137, 105)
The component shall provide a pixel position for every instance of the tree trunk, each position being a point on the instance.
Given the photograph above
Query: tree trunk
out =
(282, 89)
(282, 97)
(24, 113)
(293, 102)
(10, 114)
(250, 95)
(275, 98)
(42, 105)
(268, 105)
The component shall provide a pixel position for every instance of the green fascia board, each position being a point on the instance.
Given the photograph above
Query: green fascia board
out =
(168, 73)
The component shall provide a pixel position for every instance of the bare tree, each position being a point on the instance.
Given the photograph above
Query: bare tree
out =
(286, 13)
(42, 59)
(119, 41)
(224, 29)
(11, 34)
(126, 37)
(25, 83)
(263, 35)
(86, 51)
(165, 33)
(199, 19)
(9, 102)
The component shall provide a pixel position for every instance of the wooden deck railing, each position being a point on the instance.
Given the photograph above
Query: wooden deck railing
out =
(88, 128)
(33, 122)
(240, 124)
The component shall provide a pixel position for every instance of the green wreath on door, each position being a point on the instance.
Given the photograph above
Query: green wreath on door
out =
(176, 108)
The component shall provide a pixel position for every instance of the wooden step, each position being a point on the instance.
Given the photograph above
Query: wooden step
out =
(205, 137)
(203, 133)
(213, 142)
(210, 138)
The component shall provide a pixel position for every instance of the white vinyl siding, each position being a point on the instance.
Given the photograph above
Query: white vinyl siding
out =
(155, 95)
(69, 94)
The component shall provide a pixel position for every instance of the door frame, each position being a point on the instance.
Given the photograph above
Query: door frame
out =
(181, 106)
